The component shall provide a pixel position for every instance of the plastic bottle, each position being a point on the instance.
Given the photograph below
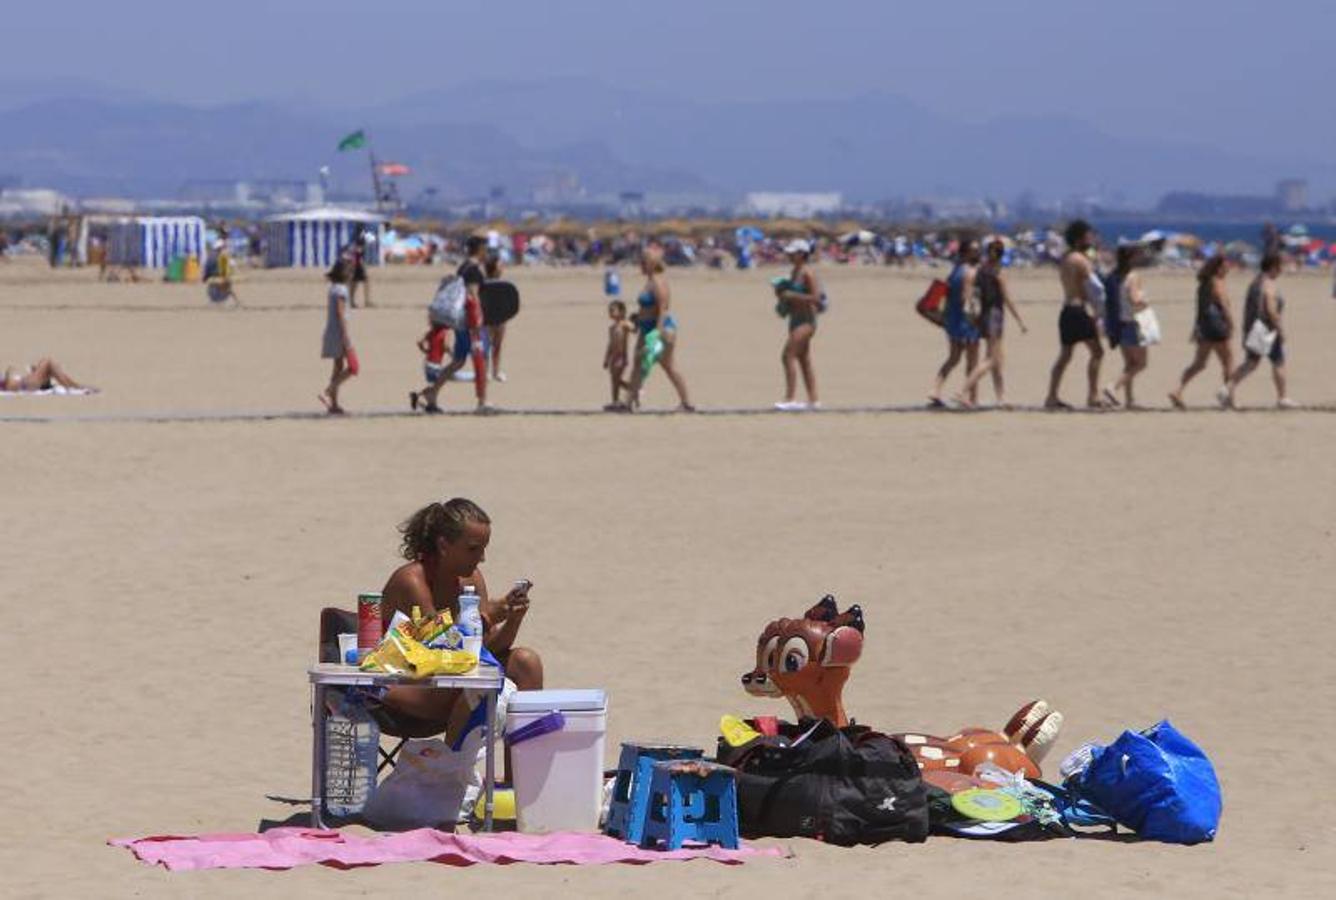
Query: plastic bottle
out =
(470, 620)
(352, 746)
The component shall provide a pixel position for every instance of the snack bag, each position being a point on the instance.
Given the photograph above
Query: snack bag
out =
(389, 656)
(427, 662)
(402, 654)
(430, 630)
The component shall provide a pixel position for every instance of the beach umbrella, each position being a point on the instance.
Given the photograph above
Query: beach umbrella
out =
(862, 237)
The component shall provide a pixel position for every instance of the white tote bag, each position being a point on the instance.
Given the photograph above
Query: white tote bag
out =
(1148, 327)
(1260, 339)
(433, 784)
(427, 788)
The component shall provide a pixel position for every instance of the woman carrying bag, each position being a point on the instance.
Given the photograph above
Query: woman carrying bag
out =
(1213, 327)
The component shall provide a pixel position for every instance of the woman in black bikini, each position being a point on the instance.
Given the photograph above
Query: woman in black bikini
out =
(1213, 328)
(995, 303)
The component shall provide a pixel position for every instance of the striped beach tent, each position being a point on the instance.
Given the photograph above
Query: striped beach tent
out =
(153, 241)
(315, 237)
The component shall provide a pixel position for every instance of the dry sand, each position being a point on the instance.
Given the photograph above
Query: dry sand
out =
(162, 580)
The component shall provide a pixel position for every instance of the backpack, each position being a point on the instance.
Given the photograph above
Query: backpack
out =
(447, 307)
(843, 786)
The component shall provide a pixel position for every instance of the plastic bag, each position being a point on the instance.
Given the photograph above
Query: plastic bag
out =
(447, 305)
(400, 654)
(435, 783)
(1157, 782)
(428, 787)
(653, 350)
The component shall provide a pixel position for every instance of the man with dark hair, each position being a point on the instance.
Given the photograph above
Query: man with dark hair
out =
(1082, 308)
(468, 340)
(1263, 304)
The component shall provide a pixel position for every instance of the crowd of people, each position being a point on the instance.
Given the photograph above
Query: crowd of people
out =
(726, 245)
(1100, 304)
(1112, 306)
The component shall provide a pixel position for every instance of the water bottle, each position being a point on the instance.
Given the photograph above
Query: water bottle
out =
(612, 283)
(352, 746)
(470, 620)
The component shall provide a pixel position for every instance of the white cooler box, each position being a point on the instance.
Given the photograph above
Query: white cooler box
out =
(558, 776)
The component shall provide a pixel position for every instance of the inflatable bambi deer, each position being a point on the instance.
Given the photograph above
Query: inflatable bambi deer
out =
(807, 662)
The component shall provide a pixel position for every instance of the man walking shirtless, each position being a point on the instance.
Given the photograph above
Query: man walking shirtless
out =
(1082, 308)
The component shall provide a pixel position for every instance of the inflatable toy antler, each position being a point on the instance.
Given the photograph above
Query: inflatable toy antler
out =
(807, 660)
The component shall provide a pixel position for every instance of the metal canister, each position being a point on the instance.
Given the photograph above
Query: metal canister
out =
(369, 631)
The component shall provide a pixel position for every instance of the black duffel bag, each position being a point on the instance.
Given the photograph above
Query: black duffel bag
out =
(842, 786)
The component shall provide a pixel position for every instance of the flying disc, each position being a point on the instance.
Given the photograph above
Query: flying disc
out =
(987, 805)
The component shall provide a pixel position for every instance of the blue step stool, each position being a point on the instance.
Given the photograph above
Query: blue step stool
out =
(630, 790)
(691, 800)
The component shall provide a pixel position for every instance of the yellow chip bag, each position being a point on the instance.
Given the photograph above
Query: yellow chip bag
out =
(400, 654)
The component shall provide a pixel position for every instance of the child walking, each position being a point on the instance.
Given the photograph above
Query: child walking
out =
(617, 355)
(432, 345)
(337, 345)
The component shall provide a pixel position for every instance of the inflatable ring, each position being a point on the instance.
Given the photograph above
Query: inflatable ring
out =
(987, 805)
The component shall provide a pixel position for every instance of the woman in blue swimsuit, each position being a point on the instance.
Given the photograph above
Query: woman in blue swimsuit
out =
(653, 315)
(962, 331)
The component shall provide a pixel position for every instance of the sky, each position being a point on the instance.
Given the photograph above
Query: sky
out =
(1250, 75)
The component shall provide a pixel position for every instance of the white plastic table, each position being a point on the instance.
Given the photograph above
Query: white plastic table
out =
(488, 679)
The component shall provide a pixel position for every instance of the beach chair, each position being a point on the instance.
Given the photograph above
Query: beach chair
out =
(334, 622)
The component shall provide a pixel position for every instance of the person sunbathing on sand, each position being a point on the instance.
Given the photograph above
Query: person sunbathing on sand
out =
(444, 544)
(40, 376)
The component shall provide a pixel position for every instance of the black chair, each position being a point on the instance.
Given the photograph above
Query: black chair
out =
(334, 622)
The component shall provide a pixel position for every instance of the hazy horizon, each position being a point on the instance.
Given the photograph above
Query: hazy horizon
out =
(1233, 73)
(1231, 84)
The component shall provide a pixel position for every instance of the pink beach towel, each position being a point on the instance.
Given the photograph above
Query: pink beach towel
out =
(284, 848)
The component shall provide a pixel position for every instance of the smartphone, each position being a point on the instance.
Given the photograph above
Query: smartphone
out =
(522, 586)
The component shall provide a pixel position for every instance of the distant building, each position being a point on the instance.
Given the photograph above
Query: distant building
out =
(558, 189)
(794, 206)
(33, 202)
(631, 204)
(1191, 205)
(1292, 195)
(273, 193)
(108, 206)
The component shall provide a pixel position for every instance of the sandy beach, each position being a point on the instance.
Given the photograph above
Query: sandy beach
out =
(164, 577)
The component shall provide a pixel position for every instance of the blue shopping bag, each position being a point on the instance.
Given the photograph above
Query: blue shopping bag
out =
(1156, 782)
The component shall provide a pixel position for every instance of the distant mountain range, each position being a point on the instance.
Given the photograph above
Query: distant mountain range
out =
(531, 136)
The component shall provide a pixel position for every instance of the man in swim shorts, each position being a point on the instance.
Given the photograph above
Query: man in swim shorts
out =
(1081, 310)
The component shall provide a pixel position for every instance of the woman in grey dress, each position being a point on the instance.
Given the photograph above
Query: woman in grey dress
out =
(337, 344)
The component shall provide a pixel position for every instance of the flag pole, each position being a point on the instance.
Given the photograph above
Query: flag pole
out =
(375, 173)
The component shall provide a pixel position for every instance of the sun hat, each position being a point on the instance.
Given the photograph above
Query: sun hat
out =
(797, 245)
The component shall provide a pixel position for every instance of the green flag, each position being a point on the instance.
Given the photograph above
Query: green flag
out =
(354, 141)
